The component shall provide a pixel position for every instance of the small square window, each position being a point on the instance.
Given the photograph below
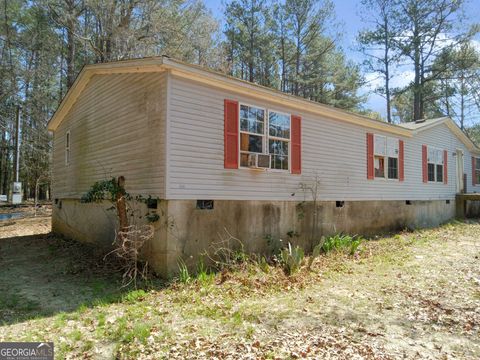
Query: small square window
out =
(205, 204)
(67, 147)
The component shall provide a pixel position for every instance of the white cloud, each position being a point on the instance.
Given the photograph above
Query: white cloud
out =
(402, 79)
(373, 81)
(475, 44)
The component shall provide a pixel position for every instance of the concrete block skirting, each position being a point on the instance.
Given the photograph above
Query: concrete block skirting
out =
(185, 231)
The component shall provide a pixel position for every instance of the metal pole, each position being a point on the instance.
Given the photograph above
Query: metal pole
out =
(17, 145)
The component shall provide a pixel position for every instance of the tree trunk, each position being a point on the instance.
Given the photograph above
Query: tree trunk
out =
(121, 207)
(70, 58)
(387, 70)
(297, 65)
(462, 102)
(37, 181)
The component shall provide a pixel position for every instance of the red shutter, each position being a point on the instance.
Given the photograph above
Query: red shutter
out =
(231, 134)
(401, 161)
(474, 178)
(296, 148)
(370, 158)
(445, 166)
(424, 164)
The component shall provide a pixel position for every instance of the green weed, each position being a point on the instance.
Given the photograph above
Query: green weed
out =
(291, 259)
(183, 273)
(342, 242)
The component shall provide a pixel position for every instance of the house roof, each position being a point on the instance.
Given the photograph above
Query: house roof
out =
(425, 124)
(229, 83)
(215, 79)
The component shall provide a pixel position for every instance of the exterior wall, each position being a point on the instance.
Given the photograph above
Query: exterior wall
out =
(165, 135)
(97, 224)
(468, 170)
(255, 223)
(333, 150)
(188, 233)
(117, 127)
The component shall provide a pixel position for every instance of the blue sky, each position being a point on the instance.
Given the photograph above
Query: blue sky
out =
(350, 22)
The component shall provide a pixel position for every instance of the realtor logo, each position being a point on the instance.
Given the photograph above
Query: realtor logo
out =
(26, 351)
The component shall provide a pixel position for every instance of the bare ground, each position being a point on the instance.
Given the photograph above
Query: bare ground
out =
(411, 296)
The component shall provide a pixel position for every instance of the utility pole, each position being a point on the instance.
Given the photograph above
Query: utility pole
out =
(17, 144)
(17, 185)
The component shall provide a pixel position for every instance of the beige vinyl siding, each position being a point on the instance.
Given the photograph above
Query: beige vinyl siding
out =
(117, 127)
(441, 137)
(468, 170)
(332, 150)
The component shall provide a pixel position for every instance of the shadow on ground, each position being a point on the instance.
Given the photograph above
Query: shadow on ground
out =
(41, 275)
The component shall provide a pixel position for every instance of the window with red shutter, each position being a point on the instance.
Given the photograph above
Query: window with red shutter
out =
(384, 157)
(231, 130)
(296, 144)
(424, 164)
(401, 160)
(370, 157)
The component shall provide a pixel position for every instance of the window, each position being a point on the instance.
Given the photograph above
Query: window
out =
(279, 137)
(205, 204)
(435, 165)
(386, 152)
(477, 171)
(264, 132)
(67, 148)
(252, 132)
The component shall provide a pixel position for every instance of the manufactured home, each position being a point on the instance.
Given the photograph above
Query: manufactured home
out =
(221, 154)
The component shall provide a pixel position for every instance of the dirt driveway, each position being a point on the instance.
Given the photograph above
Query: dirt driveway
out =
(42, 275)
(414, 296)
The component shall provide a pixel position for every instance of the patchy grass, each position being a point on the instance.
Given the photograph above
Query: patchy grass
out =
(413, 295)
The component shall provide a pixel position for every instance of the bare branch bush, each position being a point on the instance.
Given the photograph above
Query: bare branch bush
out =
(132, 233)
(128, 244)
(227, 252)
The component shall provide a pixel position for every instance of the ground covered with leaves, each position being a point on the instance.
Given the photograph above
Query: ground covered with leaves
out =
(415, 295)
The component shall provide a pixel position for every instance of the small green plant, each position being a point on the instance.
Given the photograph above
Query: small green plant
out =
(339, 242)
(315, 253)
(263, 265)
(291, 259)
(140, 331)
(183, 273)
(354, 245)
(204, 277)
(240, 257)
(134, 296)
(101, 190)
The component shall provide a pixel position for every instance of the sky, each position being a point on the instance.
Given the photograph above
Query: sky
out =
(350, 23)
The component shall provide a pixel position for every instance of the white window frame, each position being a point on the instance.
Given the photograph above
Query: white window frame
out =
(266, 136)
(68, 147)
(442, 162)
(385, 158)
(288, 141)
(240, 132)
